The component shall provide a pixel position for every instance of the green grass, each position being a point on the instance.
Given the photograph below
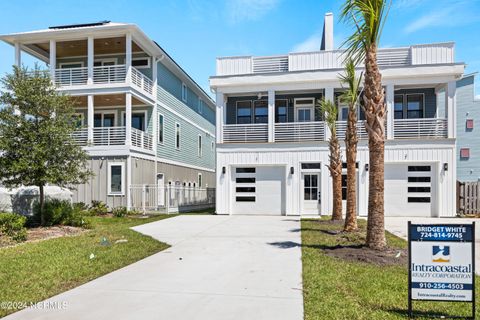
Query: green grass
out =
(336, 289)
(34, 271)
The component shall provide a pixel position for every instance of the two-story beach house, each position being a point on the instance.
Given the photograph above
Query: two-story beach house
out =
(142, 119)
(272, 147)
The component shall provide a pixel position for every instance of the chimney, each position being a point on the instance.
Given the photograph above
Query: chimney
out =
(327, 36)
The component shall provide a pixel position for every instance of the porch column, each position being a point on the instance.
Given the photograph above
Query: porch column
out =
(329, 96)
(155, 112)
(90, 115)
(53, 59)
(390, 101)
(128, 119)
(271, 116)
(451, 102)
(90, 59)
(18, 55)
(128, 56)
(220, 118)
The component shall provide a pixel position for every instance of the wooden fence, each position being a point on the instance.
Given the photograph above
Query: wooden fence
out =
(468, 197)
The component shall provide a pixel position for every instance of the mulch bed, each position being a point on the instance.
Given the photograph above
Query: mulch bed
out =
(44, 233)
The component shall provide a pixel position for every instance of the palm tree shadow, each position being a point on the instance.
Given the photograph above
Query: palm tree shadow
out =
(292, 244)
(422, 314)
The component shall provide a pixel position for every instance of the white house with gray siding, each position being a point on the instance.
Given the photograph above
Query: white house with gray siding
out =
(142, 119)
(272, 142)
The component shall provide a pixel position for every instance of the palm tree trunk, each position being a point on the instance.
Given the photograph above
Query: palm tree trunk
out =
(375, 124)
(335, 168)
(351, 141)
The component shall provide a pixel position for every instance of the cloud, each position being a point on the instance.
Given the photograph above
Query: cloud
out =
(454, 14)
(477, 97)
(312, 43)
(247, 10)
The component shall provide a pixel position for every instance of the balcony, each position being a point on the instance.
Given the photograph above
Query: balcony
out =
(427, 54)
(300, 131)
(115, 74)
(434, 128)
(255, 132)
(114, 136)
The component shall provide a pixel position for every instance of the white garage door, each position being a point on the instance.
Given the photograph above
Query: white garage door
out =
(258, 190)
(408, 190)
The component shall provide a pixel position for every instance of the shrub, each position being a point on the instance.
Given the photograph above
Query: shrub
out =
(77, 218)
(98, 208)
(61, 212)
(134, 212)
(119, 212)
(13, 225)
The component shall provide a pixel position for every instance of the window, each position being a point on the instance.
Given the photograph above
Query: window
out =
(281, 110)
(103, 120)
(200, 182)
(160, 128)
(414, 106)
(245, 199)
(199, 145)
(116, 172)
(245, 170)
(244, 112)
(184, 92)
(418, 179)
(104, 62)
(200, 106)
(419, 199)
(141, 63)
(469, 124)
(245, 180)
(418, 189)
(311, 166)
(310, 187)
(138, 120)
(245, 189)
(177, 135)
(69, 65)
(398, 106)
(419, 168)
(260, 111)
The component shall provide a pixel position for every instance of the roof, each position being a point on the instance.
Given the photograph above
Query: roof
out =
(103, 29)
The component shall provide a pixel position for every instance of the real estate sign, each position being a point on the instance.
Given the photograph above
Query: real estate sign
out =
(441, 262)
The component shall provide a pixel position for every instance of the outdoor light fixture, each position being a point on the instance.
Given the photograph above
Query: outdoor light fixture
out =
(224, 170)
(366, 166)
(445, 166)
(292, 170)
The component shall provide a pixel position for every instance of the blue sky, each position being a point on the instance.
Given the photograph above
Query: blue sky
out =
(194, 32)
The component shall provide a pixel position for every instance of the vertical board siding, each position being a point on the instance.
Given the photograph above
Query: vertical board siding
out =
(234, 65)
(468, 107)
(433, 53)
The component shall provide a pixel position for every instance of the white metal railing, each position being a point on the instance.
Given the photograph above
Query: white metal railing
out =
(300, 131)
(166, 198)
(80, 136)
(255, 132)
(436, 53)
(270, 64)
(110, 74)
(141, 81)
(71, 76)
(142, 139)
(108, 136)
(432, 128)
(342, 129)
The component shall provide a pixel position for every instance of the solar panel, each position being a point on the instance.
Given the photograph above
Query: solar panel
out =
(80, 25)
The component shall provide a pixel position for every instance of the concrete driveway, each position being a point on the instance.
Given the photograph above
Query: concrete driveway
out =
(398, 226)
(219, 267)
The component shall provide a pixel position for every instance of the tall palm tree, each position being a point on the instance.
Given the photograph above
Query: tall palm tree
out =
(330, 111)
(368, 18)
(350, 96)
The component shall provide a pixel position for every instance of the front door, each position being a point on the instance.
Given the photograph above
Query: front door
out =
(160, 189)
(311, 195)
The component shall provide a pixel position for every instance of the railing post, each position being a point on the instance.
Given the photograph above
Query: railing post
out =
(53, 59)
(390, 94)
(90, 115)
(167, 202)
(128, 119)
(271, 116)
(220, 117)
(90, 59)
(451, 108)
(143, 198)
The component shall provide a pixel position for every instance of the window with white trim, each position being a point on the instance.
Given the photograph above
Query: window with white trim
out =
(199, 145)
(141, 63)
(200, 106)
(177, 135)
(184, 92)
(160, 128)
(116, 174)
(200, 180)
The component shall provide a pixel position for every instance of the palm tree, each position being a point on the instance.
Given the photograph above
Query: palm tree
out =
(368, 17)
(330, 111)
(350, 96)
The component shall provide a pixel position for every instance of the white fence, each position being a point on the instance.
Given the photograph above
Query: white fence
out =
(171, 199)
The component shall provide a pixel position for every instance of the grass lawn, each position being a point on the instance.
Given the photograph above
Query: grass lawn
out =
(337, 289)
(32, 272)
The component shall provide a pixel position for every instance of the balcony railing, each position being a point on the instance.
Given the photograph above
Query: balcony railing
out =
(71, 77)
(114, 136)
(109, 74)
(342, 128)
(433, 128)
(300, 131)
(109, 136)
(256, 132)
(141, 81)
(81, 136)
(142, 139)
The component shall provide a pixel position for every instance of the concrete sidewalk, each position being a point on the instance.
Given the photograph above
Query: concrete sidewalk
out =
(398, 226)
(219, 267)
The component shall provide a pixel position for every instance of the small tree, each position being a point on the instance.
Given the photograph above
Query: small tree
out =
(351, 96)
(330, 111)
(36, 126)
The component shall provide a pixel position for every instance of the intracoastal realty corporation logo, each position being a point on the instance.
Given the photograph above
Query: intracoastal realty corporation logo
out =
(441, 254)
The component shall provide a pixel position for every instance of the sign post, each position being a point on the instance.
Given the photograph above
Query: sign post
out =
(441, 263)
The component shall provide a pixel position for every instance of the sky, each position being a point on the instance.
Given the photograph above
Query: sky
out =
(195, 32)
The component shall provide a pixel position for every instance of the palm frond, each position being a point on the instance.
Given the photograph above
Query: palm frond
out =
(330, 112)
(352, 83)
